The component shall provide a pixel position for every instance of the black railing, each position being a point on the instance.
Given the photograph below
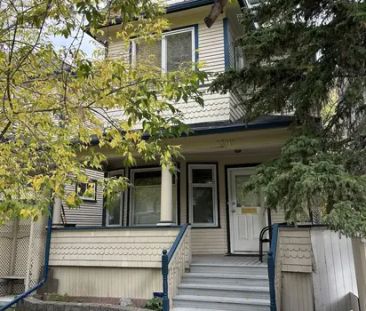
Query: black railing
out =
(165, 260)
(262, 240)
(271, 266)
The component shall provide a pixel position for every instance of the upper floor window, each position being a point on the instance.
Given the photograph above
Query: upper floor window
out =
(175, 49)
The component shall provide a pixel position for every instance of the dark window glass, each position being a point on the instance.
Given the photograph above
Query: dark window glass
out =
(149, 53)
(147, 178)
(202, 176)
(203, 205)
(179, 50)
(114, 211)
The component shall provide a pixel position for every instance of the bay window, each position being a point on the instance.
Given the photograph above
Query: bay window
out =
(202, 195)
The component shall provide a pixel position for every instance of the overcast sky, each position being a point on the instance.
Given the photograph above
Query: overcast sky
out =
(88, 44)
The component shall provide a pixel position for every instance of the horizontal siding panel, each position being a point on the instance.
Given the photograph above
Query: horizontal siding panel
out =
(89, 213)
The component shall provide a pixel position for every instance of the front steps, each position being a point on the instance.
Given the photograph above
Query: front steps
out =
(224, 283)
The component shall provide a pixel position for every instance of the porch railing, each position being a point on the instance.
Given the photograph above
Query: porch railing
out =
(174, 263)
(272, 267)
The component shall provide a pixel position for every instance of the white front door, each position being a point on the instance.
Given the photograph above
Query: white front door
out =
(247, 217)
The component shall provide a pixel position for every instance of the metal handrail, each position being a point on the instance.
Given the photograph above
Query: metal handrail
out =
(263, 240)
(46, 267)
(165, 260)
(271, 266)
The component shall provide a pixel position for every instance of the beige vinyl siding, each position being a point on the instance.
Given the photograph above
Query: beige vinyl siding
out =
(211, 46)
(89, 213)
(297, 292)
(117, 49)
(237, 111)
(137, 283)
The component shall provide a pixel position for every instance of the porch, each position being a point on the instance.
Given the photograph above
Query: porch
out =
(205, 191)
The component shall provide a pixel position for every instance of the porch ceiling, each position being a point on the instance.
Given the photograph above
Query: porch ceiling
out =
(234, 145)
(235, 141)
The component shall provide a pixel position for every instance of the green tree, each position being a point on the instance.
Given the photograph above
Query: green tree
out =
(55, 104)
(308, 58)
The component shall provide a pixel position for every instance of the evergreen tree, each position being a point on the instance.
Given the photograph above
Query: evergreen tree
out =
(308, 58)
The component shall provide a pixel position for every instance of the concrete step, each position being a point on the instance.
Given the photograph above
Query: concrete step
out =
(221, 303)
(220, 290)
(193, 309)
(226, 278)
(227, 268)
(4, 300)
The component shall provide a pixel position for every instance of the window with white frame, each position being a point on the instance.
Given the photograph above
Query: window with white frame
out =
(202, 195)
(114, 212)
(175, 49)
(145, 196)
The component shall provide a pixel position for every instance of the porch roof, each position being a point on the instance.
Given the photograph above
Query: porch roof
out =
(265, 122)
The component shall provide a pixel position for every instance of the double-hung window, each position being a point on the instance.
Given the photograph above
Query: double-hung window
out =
(202, 194)
(175, 49)
(145, 196)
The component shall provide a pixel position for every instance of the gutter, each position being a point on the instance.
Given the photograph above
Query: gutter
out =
(46, 266)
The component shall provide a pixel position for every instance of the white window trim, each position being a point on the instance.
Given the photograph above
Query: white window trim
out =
(131, 204)
(120, 172)
(213, 185)
(164, 46)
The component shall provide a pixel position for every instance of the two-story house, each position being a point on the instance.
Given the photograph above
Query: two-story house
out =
(118, 252)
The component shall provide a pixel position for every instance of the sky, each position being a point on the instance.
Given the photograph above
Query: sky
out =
(88, 44)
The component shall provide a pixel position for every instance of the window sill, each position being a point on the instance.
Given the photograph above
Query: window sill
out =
(206, 227)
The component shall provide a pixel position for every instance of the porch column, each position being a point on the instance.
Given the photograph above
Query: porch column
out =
(56, 218)
(166, 205)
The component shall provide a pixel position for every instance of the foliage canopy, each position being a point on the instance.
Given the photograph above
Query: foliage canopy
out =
(56, 103)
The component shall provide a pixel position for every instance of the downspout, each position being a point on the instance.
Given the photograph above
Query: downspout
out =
(45, 271)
